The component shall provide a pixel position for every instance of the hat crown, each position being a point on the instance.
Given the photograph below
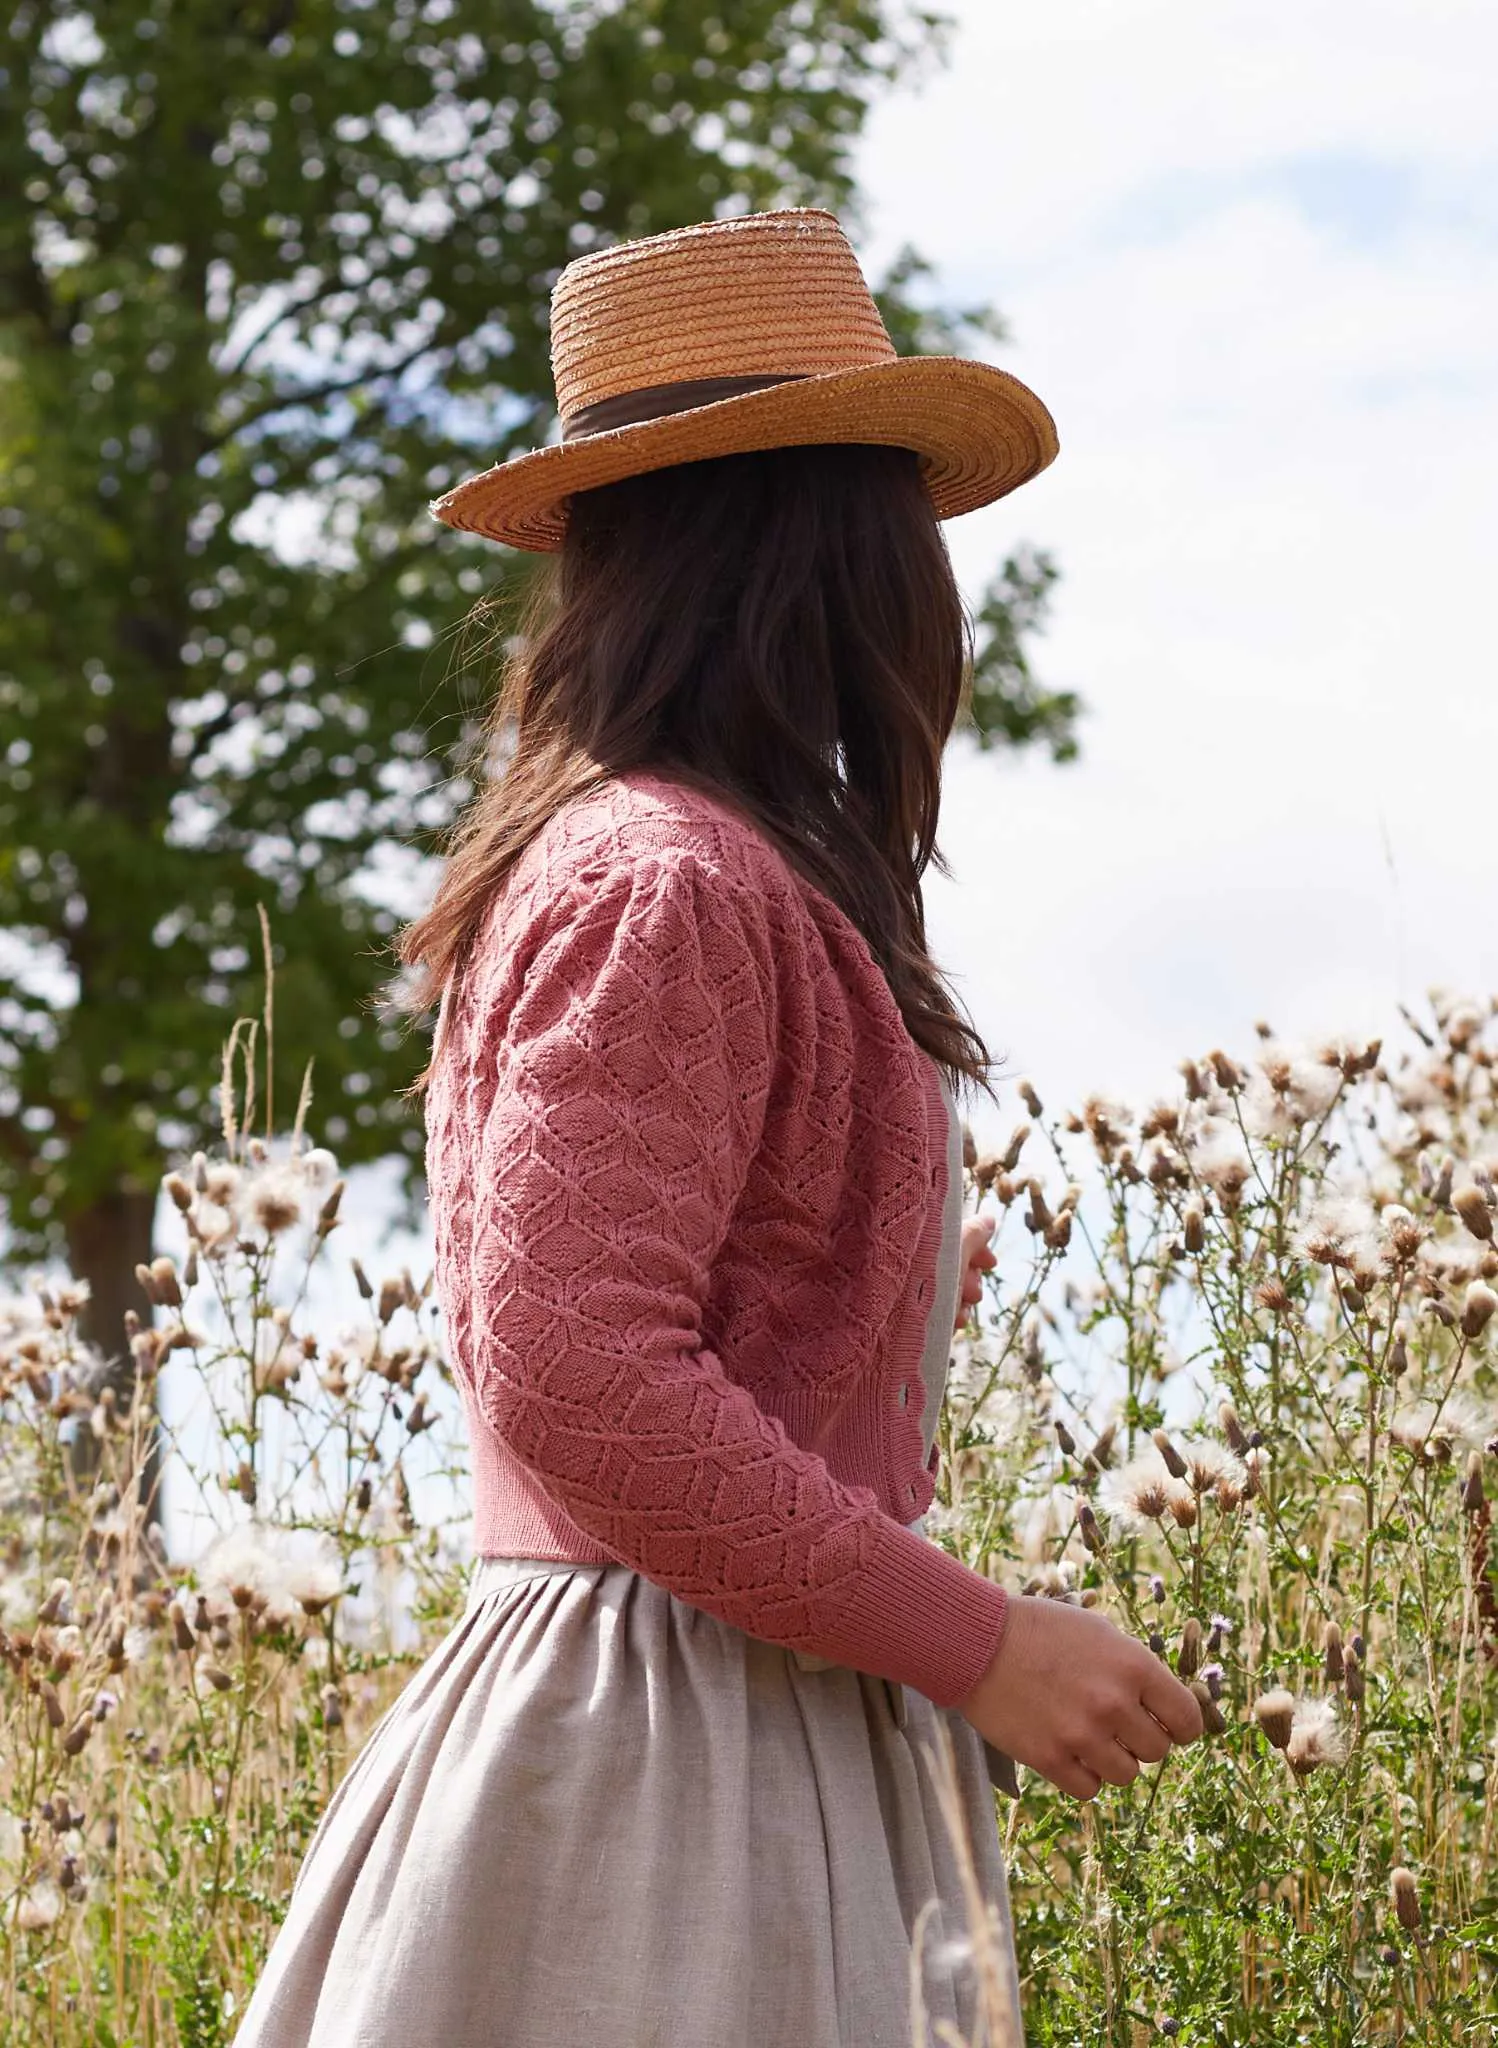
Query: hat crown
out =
(759, 295)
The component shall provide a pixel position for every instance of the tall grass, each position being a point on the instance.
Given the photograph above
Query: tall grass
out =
(1233, 1383)
(1241, 1395)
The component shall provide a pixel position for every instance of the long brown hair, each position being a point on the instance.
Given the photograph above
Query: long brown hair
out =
(780, 629)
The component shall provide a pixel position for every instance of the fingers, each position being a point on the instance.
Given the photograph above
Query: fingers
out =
(1172, 1704)
(1142, 1734)
(1111, 1762)
(1072, 1775)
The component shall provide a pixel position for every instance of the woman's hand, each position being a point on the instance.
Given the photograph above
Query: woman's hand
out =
(1077, 1700)
(978, 1258)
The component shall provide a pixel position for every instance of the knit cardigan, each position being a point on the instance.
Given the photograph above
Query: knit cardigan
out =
(687, 1169)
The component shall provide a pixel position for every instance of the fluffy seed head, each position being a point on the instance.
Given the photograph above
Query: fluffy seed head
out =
(1477, 1309)
(1315, 1737)
(1189, 1655)
(1471, 1204)
(1406, 1896)
(1213, 1718)
(1275, 1714)
(1175, 1464)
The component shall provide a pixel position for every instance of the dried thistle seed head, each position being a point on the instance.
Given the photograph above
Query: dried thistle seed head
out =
(1475, 1211)
(392, 1295)
(1232, 1428)
(1275, 1713)
(1229, 1077)
(1087, 1522)
(1196, 1087)
(987, 1171)
(1019, 1137)
(1399, 1356)
(1038, 1216)
(1473, 1492)
(1231, 1491)
(274, 1200)
(58, 1604)
(1405, 1894)
(1478, 1305)
(1189, 1654)
(969, 1149)
(1175, 1464)
(1183, 1509)
(1106, 1123)
(1353, 1682)
(1213, 1719)
(1030, 1099)
(1273, 1295)
(168, 1287)
(1139, 1493)
(1161, 1120)
(147, 1281)
(1404, 1232)
(1065, 1438)
(180, 1191)
(78, 1734)
(1315, 1737)
(1332, 1660)
(1058, 1233)
(1102, 1447)
(1194, 1227)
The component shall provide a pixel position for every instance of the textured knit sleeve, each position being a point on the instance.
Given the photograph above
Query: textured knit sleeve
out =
(629, 1085)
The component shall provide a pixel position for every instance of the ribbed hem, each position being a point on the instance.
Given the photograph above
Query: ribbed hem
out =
(922, 1617)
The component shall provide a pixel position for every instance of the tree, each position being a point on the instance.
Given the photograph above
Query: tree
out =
(273, 273)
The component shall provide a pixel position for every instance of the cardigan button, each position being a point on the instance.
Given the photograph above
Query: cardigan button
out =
(904, 1394)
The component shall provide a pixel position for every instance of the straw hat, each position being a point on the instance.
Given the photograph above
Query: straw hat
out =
(755, 332)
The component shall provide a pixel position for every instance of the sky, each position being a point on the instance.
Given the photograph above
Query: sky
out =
(1249, 258)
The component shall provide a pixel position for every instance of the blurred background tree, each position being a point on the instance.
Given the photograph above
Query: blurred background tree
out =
(273, 273)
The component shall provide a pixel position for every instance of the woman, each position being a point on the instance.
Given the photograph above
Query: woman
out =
(694, 1162)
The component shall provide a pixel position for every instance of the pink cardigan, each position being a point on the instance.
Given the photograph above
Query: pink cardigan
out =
(684, 1158)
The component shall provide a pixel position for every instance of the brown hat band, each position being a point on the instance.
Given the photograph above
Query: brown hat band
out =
(658, 401)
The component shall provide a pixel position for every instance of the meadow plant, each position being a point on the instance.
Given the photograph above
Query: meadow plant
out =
(1233, 1382)
(171, 1731)
(1240, 1394)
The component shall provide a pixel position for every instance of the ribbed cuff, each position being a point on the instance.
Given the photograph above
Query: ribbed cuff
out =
(920, 1616)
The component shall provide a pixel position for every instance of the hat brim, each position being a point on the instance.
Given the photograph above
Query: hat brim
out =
(979, 432)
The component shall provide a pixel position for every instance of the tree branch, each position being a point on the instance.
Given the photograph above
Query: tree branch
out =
(318, 394)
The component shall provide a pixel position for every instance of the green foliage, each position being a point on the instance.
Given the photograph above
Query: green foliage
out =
(271, 277)
(1009, 706)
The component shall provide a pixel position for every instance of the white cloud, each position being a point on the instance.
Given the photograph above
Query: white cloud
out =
(1252, 265)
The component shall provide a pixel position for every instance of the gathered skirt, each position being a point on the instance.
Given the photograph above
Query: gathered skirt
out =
(598, 1817)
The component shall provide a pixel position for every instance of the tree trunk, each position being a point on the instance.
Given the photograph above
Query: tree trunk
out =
(106, 1242)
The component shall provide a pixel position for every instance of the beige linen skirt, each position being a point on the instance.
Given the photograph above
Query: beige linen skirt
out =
(597, 1817)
